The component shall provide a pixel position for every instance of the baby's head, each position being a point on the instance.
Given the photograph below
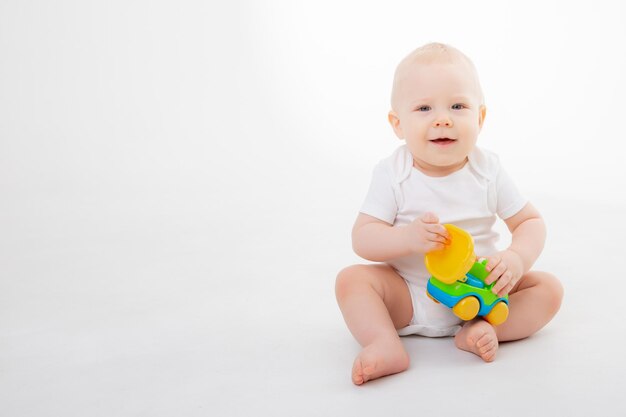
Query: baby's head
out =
(437, 107)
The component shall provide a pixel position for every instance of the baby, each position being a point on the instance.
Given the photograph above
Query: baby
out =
(439, 176)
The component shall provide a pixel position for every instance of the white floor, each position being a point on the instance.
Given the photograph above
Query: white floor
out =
(155, 321)
(178, 181)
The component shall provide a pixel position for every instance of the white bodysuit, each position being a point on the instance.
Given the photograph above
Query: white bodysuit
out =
(469, 198)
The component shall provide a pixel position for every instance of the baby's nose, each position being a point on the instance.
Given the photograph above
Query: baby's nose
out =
(443, 121)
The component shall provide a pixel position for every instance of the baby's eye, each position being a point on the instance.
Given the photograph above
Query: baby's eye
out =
(423, 108)
(458, 106)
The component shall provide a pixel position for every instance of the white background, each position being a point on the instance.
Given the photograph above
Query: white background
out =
(178, 181)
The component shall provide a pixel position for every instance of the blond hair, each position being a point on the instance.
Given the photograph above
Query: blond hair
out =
(432, 53)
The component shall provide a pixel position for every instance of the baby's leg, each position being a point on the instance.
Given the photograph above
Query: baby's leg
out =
(533, 302)
(375, 301)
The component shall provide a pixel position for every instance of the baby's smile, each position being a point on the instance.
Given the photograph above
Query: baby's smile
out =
(443, 141)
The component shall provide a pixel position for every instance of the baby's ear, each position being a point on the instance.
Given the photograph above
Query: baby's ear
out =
(482, 112)
(394, 121)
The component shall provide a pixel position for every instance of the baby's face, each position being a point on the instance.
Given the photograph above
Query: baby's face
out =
(437, 110)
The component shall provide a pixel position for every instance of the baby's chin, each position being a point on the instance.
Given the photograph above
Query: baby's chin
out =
(440, 165)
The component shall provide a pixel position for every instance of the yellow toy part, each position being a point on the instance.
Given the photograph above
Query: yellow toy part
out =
(498, 314)
(467, 308)
(453, 261)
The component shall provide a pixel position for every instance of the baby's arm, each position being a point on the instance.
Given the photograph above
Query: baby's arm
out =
(528, 237)
(379, 241)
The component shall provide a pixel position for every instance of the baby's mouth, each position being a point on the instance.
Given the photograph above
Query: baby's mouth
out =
(443, 141)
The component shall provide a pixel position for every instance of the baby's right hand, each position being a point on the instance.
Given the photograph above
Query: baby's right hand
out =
(425, 234)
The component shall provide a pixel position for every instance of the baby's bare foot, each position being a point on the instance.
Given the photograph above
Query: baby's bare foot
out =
(379, 359)
(478, 337)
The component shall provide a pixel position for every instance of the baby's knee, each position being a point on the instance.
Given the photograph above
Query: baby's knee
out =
(346, 279)
(554, 291)
(358, 277)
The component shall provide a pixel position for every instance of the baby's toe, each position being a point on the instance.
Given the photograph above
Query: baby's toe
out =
(490, 355)
(485, 344)
(357, 372)
(362, 371)
(474, 339)
(487, 348)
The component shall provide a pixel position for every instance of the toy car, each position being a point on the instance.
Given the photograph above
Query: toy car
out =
(458, 281)
(470, 296)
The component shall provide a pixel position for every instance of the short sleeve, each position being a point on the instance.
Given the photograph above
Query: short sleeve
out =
(509, 200)
(380, 201)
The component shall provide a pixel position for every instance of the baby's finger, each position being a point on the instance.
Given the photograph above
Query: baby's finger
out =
(502, 283)
(433, 237)
(492, 263)
(435, 246)
(429, 218)
(496, 273)
(506, 289)
(438, 229)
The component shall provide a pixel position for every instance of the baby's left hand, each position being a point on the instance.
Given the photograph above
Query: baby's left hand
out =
(506, 268)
